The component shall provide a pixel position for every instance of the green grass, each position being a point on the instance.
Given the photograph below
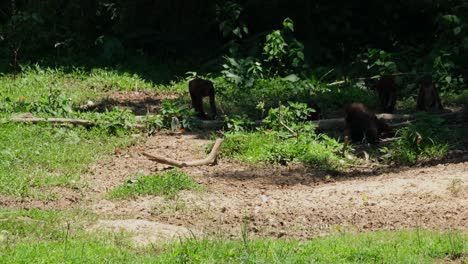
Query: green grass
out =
(37, 236)
(36, 156)
(379, 247)
(168, 184)
(425, 139)
(270, 147)
(78, 84)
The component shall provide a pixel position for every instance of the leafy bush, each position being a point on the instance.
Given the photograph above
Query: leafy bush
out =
(238, 123)
(177, 109)
(243, 71)
(420, 141)
(337, 97)
(378, 62)
(263, 95)
(276, 147)
(293, 115)
(115, 122)
(284, 53)
(273, 143)
(55, 104)
(168, 183)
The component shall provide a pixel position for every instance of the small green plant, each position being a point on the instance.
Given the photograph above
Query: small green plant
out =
(154, 123)
(167, 183)
(284, 53)
(420, 141)
(238, 123)
(180, 110)
(378, 62)
(54, 104)
(242, 71)
(115, 122)
(445, 76)
(294, 115)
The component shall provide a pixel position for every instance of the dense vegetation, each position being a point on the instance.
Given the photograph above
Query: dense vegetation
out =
(403, 36)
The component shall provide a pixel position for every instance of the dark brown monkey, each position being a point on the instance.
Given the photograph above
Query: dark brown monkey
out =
(386, 90)
(428, 98)
(198, 89)
(314, 115)
(362, 124)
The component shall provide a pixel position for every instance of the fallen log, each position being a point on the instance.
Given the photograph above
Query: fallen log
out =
(394, 120)
(28, 118)
(210, 160)
(36, 120)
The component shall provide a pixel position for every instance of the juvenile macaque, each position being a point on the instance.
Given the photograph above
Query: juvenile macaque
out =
(362, 124)
(428, 98)
(318, 112)
(198, 89)
(386, 89)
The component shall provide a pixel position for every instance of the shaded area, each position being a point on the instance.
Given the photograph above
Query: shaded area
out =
(139, 102)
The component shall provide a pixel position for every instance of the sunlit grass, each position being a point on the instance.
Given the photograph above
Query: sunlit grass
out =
(166, 183)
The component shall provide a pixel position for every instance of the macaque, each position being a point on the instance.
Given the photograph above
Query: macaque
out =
(315, 115)
(362, 124)
(386, 90)
(428, 98)
(198, 89)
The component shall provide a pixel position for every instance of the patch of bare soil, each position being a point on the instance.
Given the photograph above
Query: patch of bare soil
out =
(280, 201)
(139, 102)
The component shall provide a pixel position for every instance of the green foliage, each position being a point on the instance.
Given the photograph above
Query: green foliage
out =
(284, 53)
(378, 62)
(154, 123)
(238, 123)
(336, 97)
(423, 140)
(445, 74)
(54, 104)
(273, 143)
(243, 71)
(294, 115)
(168, 183)
(228, 17)
(179, 110)
(116, 122)
(265, 91)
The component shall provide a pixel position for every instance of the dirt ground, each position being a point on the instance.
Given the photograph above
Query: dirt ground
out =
(280, 201)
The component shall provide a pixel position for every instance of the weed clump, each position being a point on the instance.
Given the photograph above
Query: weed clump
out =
(167, 184)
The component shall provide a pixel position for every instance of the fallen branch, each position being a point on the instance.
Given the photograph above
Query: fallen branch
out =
(210, 160)
(28, 118)
(35, 120)
(394, 120)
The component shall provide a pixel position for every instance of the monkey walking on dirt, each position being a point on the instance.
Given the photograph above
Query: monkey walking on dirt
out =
(198, 89)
